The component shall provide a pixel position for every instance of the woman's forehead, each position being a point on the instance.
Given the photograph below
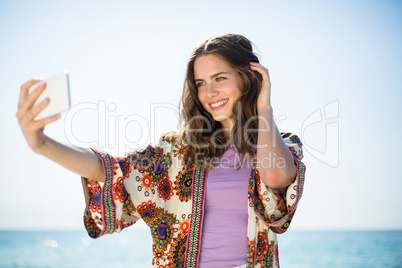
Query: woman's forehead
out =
(208, 65)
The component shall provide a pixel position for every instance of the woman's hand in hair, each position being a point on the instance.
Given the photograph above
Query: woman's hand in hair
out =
(32, 130)
(270, 145)
(264, 99)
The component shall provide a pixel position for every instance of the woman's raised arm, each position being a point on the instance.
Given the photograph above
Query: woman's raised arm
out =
(82, 161)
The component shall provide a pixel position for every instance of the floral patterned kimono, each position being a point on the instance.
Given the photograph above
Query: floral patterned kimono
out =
(155, 184)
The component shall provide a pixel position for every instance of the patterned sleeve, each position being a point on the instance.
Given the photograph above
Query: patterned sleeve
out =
(129, 187)
(276, 207)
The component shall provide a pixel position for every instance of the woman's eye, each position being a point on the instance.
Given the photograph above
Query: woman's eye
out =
(220, 79)
(199, 84)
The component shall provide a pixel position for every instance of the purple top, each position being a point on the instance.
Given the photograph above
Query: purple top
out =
(224, 231)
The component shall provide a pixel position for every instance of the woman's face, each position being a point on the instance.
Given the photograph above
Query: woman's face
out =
(218, 87)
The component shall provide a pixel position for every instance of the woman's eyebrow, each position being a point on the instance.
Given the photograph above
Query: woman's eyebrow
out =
(214, 75)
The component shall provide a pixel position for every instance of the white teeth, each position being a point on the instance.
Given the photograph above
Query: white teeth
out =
(217, 104)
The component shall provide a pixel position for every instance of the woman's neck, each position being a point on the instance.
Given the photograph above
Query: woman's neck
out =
(227, 126)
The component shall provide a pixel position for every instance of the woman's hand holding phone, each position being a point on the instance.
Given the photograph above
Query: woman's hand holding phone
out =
(33, 130)
(81, 161)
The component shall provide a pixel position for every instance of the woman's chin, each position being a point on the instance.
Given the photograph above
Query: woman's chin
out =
(221, 117)
(224, 120)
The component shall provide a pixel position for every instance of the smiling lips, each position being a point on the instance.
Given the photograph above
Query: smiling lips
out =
(219, 104)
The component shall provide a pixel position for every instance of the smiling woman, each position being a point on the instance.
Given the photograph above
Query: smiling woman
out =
(219, 87)
(213, 195)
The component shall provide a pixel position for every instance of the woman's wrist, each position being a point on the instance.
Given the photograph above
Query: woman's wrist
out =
(40, 147)
(266, 111)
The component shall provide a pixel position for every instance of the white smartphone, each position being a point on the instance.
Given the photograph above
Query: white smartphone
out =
(58, 92)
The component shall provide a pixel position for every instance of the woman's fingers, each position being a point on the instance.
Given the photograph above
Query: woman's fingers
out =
(29, 100)
(26, 117)
(33, 112)
(255, 66)
(40, 124)
(264, 98)
(33, 130)
(24, 90)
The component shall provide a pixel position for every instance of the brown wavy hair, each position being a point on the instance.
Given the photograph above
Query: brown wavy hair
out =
(201, 136)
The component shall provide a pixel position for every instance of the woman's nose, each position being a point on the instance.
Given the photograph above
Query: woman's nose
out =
(211, 91)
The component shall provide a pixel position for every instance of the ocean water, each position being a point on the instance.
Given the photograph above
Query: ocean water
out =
(133, 249)
(362, 249)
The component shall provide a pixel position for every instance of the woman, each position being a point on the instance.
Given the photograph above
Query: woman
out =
(213, 195)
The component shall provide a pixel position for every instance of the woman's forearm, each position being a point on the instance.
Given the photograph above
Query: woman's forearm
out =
(81, 161)
(274, 160)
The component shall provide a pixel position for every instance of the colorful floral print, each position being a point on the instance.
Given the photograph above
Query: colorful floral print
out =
(160, 169)
(166, 203)
(161, 231)
(143, 160)
(95, 192)
(183, 183)
(165, 188)
(146, 182)
(184, 226)
(125, 166)
(176, 255)
(250, 252)
(147, 210)
(91, 225)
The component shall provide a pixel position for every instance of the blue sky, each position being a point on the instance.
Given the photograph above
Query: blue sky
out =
(335, 70)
